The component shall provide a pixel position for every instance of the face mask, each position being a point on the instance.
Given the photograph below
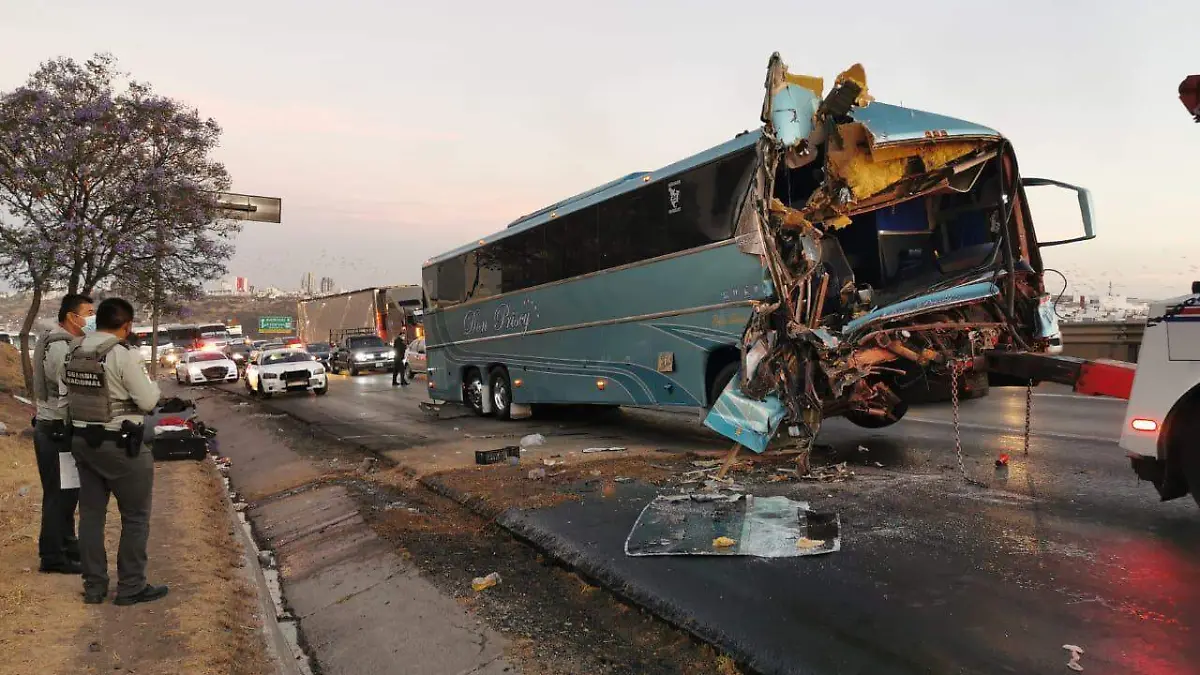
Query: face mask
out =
(89, 324)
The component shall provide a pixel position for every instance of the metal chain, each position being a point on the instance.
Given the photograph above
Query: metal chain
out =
(1028, 413)
(962, 468)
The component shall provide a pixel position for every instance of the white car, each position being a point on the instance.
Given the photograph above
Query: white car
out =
(276, 371)
(204, 367)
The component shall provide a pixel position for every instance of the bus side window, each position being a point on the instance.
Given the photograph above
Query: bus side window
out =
(451, 281)
(571, 245)
(632, 227)
(702, 202)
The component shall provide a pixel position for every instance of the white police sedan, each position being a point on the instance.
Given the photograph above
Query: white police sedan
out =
(204, 367)
(283, 370)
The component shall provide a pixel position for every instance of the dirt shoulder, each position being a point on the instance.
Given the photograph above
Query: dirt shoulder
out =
(208, 625)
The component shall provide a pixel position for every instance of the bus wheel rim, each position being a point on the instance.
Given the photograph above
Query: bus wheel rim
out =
(500, 397)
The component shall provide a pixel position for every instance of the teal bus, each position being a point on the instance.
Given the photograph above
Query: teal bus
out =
(633, 293)
(640, 292)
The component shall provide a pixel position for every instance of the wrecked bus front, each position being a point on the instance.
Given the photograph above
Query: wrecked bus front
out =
(900, 246)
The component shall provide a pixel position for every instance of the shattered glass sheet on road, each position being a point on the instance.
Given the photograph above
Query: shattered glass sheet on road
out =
(765, 527)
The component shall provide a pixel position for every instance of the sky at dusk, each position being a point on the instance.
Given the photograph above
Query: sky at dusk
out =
(394, 131)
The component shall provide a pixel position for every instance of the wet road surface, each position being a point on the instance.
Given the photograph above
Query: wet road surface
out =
(934, 575)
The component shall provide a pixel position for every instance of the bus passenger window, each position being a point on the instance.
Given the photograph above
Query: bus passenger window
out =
(571, 245)
(451, 281)
(701, 203)
(632, 228)
(520, 260)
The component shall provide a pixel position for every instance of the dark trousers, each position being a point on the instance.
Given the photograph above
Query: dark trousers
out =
(56, 542)
(107, 470)
(398, 369)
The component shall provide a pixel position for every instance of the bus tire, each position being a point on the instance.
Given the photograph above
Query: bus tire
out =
(722, 380)
(501, 394)
(869, 421)
(473, 391)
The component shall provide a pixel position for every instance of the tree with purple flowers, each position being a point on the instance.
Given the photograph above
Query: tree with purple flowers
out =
(104, 182)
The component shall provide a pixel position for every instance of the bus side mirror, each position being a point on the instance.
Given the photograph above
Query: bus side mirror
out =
(1085, 208)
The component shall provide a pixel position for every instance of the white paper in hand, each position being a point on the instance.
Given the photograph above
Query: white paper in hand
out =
(68, 473)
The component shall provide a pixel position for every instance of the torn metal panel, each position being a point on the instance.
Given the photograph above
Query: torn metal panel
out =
(765, 527)
(749, 422)
(894, 246)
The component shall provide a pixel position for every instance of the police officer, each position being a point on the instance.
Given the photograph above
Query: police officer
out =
(108, 392)
(399, 365)
(57, 546)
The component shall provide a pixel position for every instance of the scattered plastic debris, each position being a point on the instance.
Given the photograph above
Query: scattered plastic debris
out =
(588, 451)
(724, 542)
(3, 429)
(879, 464)
(830, 473)
(498, 455)
(863, 448)
(596, 472)
(1076, 653)
(23, 491)
(537, 474)
(552, 462)
(22, 399)
(623, 479)
(806, 543)
(367, 465)
(533, 441)
(707, 463)
(480, 583)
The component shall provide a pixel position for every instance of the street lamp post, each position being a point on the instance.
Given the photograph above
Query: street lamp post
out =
(233, 206)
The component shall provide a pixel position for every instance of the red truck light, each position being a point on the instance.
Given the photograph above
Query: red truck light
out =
(1140, 424)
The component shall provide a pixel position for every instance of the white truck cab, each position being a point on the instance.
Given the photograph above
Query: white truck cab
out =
(1162, 421)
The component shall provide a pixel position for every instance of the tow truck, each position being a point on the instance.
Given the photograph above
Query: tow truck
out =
(1161, 431)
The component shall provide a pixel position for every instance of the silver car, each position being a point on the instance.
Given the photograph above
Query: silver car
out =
(414, 357)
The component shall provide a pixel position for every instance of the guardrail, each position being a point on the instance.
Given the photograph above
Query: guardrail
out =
(1103, 340)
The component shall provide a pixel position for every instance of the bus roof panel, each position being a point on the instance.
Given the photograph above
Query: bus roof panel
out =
(888, 124)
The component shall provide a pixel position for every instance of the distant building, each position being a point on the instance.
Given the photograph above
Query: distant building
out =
(308, 284)
(326, 285)
(231, 287)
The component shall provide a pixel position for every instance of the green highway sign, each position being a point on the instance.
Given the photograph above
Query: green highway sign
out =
(275, 324)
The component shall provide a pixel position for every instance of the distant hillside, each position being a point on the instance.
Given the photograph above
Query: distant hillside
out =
(241, 310)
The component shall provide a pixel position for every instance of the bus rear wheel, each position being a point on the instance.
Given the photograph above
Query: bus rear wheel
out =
(501, 394)
(473, 392)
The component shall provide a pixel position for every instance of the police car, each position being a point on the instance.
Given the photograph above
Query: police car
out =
(205, 366)
(284, 370)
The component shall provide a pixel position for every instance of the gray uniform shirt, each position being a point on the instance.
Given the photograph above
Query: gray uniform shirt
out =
(126, 379)
(56, 360)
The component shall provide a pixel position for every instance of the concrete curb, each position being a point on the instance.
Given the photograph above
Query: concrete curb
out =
(288, 657)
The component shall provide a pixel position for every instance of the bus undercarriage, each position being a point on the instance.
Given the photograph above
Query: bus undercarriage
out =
(894, 260)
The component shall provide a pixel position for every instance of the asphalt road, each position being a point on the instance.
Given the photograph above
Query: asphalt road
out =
(934, 575)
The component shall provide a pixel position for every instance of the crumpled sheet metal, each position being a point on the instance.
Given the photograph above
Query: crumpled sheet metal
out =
(859, 173)
(749, 422)
(764, 527)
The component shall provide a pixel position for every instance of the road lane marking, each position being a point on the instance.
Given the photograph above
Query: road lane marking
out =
(1014, 431)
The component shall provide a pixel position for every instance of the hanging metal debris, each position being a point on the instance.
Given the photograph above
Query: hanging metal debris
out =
(899, 247)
